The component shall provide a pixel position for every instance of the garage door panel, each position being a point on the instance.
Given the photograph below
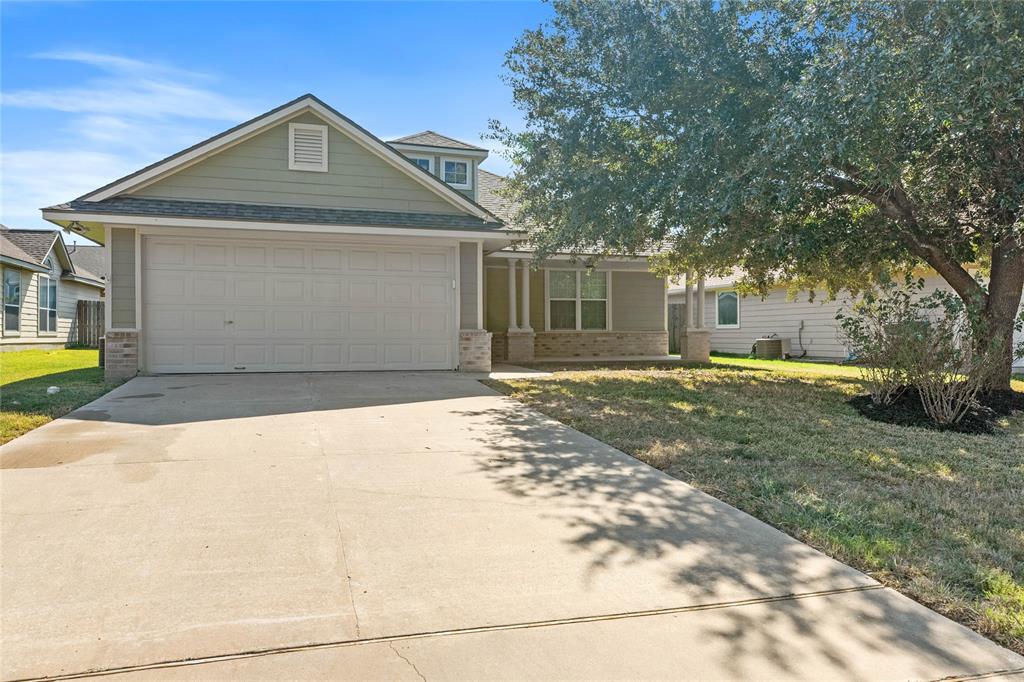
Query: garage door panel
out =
(226, 305)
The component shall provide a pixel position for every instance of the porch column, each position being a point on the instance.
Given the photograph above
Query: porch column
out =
(512, 293)
(695, 346)
(525, 316)
(700, 303)
(688, 287)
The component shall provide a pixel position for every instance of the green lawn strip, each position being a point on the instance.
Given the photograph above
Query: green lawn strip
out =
(935, 514)
(25, 376)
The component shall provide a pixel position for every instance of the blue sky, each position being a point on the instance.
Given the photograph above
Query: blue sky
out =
(92, 91)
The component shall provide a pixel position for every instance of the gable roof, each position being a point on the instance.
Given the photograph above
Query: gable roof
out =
(33, 245)
(243, 131)
(428, 138)
(488, 187)
(29, 248)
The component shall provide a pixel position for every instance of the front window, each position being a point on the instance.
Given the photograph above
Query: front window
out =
(577, 300)
(423, 163)
(12, 300)
(456, 173)
(728, 310)
(47, 304)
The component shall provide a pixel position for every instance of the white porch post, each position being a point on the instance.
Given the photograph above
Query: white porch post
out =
(525, 316)
(689, 299)
(700, 303)
(512, 293)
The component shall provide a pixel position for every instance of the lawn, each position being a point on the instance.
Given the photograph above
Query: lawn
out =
(936, 515)
(25, 376)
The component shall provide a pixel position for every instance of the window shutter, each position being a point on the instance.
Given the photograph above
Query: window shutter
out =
(307, 147)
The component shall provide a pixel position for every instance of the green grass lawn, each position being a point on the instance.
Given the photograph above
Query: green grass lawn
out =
(936, 515)
(25, 376)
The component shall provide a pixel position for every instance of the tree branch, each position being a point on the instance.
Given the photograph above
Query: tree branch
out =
(897, 206)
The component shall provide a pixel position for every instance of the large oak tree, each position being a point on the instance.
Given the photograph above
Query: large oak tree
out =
(817, 143)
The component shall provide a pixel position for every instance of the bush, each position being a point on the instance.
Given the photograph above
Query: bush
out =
(933, 343)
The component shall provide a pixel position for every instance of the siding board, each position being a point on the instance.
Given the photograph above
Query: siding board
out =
(256, 171)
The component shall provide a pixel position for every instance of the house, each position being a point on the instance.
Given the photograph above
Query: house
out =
(300, 241)
(42, 285)
(733, 321)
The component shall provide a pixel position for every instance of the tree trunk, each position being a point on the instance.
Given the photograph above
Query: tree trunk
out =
(1000, 313)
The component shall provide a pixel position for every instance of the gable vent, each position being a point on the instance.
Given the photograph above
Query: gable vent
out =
(307, 147)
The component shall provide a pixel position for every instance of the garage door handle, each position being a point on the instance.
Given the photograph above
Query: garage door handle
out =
(229, 321)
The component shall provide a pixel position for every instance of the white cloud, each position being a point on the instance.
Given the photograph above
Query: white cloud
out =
(130, 114)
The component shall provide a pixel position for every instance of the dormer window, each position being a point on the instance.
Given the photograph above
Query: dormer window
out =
(456, 174)
(423, 162)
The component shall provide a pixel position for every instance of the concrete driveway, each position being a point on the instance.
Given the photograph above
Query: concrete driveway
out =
(409, 526)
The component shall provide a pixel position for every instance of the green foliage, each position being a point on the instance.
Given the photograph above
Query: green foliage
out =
(818, 143)
(935, 343)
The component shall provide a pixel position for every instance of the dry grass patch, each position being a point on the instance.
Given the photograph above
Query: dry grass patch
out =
(937, 515)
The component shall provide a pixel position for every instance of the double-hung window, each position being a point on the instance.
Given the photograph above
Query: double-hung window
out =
(12, 300)
(456, 173)
(577, 300)
(47, 304)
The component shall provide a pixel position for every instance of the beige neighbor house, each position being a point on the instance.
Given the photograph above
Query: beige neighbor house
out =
(299, 241)
(42, 284)
(733, 322)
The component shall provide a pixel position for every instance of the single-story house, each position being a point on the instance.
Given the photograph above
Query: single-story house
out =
(42, 285)
(300, 241)
(733, 321)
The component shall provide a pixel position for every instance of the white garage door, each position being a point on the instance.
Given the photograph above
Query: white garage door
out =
(238, 305)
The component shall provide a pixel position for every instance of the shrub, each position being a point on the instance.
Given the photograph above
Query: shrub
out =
(933, 343)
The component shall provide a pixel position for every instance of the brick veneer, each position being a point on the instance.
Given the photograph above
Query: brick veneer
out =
(599, 344)
(474, 350)
(120, 354)
(519, 346)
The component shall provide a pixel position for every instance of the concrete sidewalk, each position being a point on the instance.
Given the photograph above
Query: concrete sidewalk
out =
(391, 526)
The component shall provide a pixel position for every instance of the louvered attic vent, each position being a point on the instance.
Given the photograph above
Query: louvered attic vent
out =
(307, 147)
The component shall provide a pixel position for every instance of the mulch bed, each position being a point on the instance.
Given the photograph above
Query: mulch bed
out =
(907, 411)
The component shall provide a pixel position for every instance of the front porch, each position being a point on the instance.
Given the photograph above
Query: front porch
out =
(563, 310)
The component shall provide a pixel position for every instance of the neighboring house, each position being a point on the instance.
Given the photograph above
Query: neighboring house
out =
(42, 285)
(735, 321)
(91, 257)
(300, 241)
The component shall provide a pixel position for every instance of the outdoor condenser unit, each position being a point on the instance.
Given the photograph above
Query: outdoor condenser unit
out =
(773, 348)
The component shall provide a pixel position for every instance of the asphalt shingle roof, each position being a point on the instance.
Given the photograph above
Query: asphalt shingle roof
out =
(488, 186)
(89, 260)
(143, 206)
(428, 138)
(32, 245)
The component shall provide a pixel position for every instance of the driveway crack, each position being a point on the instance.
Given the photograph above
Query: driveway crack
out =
(412, 665)
(337, 521)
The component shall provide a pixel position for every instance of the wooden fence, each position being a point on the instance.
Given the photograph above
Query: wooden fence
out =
(89, 323)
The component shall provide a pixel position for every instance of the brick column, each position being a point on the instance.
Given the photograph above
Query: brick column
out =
(120, 355)
(474, 350)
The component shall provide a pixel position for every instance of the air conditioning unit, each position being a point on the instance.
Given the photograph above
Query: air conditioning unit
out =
(773, 348)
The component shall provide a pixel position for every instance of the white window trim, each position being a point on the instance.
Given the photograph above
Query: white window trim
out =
(3, 323)
(39, 309)
(469, 172)
(727, 326)
(428, 159)
(579, 301)
(295, 165)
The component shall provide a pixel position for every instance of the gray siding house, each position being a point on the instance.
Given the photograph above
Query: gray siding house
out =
(299, 241)
(42, 285)
(734, 321)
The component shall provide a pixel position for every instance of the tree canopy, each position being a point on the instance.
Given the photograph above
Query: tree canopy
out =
(810, 142)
